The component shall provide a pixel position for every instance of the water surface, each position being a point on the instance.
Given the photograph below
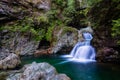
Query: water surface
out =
(79, 70)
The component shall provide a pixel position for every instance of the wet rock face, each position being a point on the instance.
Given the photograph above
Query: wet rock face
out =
(38, 71)
(9, 61)
(107, 54)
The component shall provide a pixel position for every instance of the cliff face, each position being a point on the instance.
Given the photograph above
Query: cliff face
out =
(102, 15)
(24, 20)
(15, 30)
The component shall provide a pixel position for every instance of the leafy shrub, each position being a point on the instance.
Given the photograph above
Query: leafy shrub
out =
(116, 27)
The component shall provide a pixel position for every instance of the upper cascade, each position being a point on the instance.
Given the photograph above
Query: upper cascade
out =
(83, 50)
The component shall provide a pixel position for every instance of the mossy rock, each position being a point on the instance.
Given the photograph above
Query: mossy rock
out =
(60, 31)
(3, 75)
(69, 30)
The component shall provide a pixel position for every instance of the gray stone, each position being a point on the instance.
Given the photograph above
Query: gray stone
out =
(10, 62)
(38, 71)
(65, 37)
(18, 44)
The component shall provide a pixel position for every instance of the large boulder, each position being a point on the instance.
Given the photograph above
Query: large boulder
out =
(107, 54)
(64, 37)
(37, 71)
(9, 61)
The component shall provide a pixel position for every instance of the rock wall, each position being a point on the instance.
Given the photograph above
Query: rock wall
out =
(18, 43)
(101, 16)
(11, 10)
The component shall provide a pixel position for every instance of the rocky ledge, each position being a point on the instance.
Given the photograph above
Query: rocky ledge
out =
(37, 71)
(9, 61)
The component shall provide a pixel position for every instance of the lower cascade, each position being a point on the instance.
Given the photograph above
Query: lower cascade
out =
(83, 51)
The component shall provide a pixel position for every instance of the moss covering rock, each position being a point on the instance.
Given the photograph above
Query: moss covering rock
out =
(64, 37)
(3, 75)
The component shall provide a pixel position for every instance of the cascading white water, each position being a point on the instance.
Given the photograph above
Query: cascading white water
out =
(83, 50)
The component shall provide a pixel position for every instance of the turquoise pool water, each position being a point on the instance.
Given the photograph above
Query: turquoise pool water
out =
(79, 70)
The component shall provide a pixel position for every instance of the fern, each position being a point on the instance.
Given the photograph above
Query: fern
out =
(116, 27)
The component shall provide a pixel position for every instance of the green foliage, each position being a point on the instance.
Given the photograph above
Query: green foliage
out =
(20, 26)
(70, 9)
(71, 3)
(39, 35)
(3, 75)
(63, 12)
(60, 3)
(116, 30)
(49, 32)
(75, 15)
(115, 0)
(52, 15)
(93, 2)
(27, 25)
(85, 12)
(1, 28)
(116, 27)
(68, 12)
(41, 19)
(69, 29)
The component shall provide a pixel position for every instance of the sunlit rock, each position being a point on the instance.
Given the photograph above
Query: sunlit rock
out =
(10, 62)
(87, 29)
(38, 71)
(40, 4)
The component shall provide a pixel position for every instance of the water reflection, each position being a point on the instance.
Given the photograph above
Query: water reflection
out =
(84, 71)
(80, 70)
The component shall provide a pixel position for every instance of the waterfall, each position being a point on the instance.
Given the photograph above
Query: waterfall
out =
(84, 50)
